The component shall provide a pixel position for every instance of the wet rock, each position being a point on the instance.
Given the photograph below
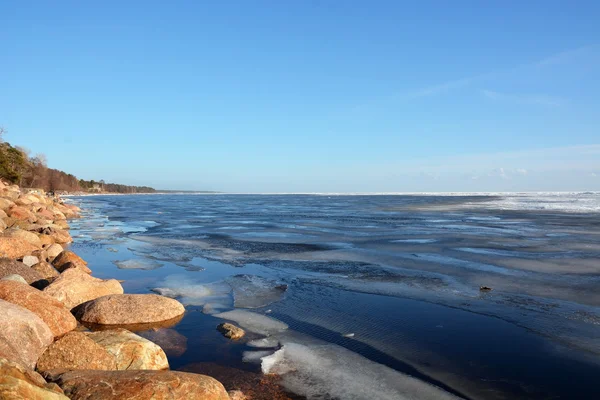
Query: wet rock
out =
(129, 309)
(130, 350)
(74, 287)
(14, 248)
(10, 267)
(138, 385)
(46, 270)
(23, 335)
(14, 278)
(58, 318)
(68, 259)
(53, 251)
(485, 289)
(237, 395)
(30, 260)
(76, 350)
(172, 342)
(19, 383)
(231, 331)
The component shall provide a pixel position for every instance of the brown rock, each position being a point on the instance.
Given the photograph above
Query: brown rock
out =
(14, 248)
(76, 351)
(45, 214)
(46, 240)
(68, 257)
(61, 236)
(172, 342)
(129, 309)
(21, 213)
(130, 350)
(19, 383)
(138, 385)
(25, 235)
(6, 204)
(231, 331)
(74, 287)
(237, 395)
(8, 267)
(58, 318)
(23, 335)
(53, 251)
(61, 224)
(46, 270)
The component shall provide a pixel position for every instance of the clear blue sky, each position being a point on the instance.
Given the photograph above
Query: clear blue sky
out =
(309, 96)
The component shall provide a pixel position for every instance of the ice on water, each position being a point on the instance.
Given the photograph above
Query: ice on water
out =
(251, 291)
(254, 322)
(144, 264)
(193, 293)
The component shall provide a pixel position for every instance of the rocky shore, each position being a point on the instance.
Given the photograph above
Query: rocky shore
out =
(49, 298)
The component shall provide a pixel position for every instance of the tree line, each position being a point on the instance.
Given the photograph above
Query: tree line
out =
(31, 171)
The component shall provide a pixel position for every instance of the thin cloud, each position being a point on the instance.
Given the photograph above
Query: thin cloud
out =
(525, 99)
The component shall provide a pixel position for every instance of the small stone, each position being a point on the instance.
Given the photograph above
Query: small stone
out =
(30, 260)
(231, 331)
(485, 288)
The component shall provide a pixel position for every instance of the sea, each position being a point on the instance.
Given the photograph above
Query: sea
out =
(387, 296)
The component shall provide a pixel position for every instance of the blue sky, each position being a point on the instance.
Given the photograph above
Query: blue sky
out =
(308, 96)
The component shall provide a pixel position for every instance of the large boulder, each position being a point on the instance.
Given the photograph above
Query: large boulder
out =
(19, 383)
(10, 267)
(122, 309)
(6, 204)
(61, 236)
(68, 259)
(58, 318)
(53, 251)
(25, 235)
(14, 248)
(21, 213)
(46, 270)
(138, 385)
(76, 351)
(23, 335)
(130, 350)
(74, 287)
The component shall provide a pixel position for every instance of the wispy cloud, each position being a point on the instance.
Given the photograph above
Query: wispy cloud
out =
(529, 99)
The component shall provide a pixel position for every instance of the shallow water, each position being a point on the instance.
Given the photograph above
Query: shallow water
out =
(389, 284)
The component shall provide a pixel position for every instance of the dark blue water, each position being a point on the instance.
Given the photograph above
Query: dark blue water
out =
(389, 283)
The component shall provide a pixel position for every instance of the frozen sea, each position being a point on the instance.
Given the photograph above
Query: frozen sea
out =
(368, 296)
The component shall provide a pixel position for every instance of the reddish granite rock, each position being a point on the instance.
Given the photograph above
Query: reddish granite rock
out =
(129, 309)
(74, 287)
(130, 350)
(231, 331)
(21, 213)
(46, 270)
(19, 383)
(61, 236)
(73, 351)
(9, 267)
(58, 318)
(6, 204)
(46, 240)
(14, 248)
(53, 251)
(23, 234)
(62, 260)
(172, 342)
(23, 335)
(137, 385)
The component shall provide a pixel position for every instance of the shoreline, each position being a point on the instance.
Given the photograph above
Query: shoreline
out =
(49, 298)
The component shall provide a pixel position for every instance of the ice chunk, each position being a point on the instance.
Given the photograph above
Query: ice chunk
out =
(264, 342)
(138, 264)
(312, 371)
(254, 322)
(214, 308)
(418, 241)
(250, 291)
(192, 293)
(255, 356)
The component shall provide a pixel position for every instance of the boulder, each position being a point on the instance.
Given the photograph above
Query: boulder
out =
(6, 204)
(61, 236)
(46, 270)
(3, 225)
(14, 278)
(45, 214)
(74, 287)
(61, 224)
(19, 383)
(172, 342)
(21, 213)
(46, 240)
(30, 260)
(25, 235)
(53, 251)
(76, 351)
(14, 248)
(231, 331)
(58, 318)
(138, 385)
(23, 335)
(68, 259)
(130, 350)
(129, 309)
(9, 267)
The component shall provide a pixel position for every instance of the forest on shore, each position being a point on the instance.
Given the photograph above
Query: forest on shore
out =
(18, 166)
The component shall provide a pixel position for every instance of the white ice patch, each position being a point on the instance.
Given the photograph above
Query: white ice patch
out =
(191, 293)
(313, 371)
(250, 291)
(264, 342)
(419, 241)
(254, 322)
(144, 264)
(255, 356)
